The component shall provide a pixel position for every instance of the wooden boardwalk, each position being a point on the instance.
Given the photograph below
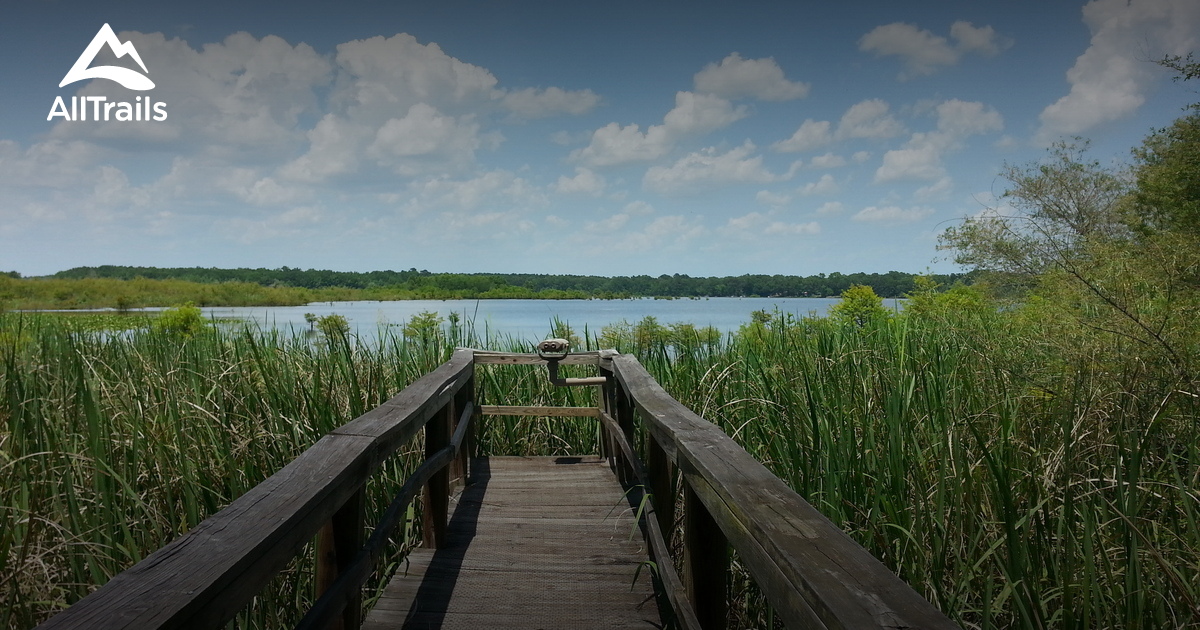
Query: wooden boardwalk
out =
(534, 542)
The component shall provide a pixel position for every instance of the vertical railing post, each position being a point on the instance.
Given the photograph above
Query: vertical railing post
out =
(624, 416)
(607, 396)
(706, 562)
(468, 448)
(459, 467)
(337, 543)
(662, 484)
(436, 498)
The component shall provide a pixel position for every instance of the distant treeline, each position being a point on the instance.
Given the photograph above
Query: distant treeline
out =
(424, 283)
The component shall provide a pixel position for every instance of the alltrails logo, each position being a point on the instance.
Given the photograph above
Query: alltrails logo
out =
(101, 108)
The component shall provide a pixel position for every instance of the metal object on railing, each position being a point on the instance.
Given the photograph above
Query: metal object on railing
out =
(555, 350)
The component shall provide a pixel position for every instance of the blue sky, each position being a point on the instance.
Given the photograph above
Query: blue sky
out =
(701, 138)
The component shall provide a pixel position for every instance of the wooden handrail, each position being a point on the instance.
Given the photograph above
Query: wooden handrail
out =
(812, 573)
(203, 578)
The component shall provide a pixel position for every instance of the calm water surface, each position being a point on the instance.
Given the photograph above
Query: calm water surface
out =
(531, 320)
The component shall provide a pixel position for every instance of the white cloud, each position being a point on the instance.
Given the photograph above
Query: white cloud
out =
(869, 119)
(426, 141)
(613, 144)
(693, 115)
(334, 147)
(585, 181)
(395, 73)
(826, 185)
(810, 135)
(829, 160)
(609, 225)
(1110, 79)
(769, 198)
(921, 156)
(736, 77)
(244, 96)
(982, 40)
(934, 191)
(891, 214)
(638, 208)
(919, 159)
(707, 168)
(754, 224)
(925, 53)
(669, 231)
(860, 156)
(490, 190)
(793, 229)
(962, 118)
(831, 207)
(698, 114)
(531, 103)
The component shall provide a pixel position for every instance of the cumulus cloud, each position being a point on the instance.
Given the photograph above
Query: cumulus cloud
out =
(891, 214)
(638, 208)
(736, 77)
(693, 115)
(670, 231)
(921, 156)
(585, 181)
(244, 95)
(829, 160)
(495, 191)
(769, 198)
(869, 119)
(615, 144)
(425, 140)
(756, 224)
(531, 103)
(386, 74)
(706, 168)
(923, 52)
(809, 136)
(1110, 79)
(826, 185)
(831, 207)
(934, 191)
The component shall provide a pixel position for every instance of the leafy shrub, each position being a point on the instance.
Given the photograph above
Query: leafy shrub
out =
(185, 320)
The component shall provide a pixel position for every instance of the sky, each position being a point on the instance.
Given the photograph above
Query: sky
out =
(618, 138)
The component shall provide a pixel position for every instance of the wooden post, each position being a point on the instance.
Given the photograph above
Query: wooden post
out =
(606, 406)
(624, 416)
(662, 484)
(458, 468)
(468, 447)
(436, 498)
(706, 562)
(337, 543)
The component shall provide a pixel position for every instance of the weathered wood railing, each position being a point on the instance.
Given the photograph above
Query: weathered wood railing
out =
(812, 573)
(204, 578)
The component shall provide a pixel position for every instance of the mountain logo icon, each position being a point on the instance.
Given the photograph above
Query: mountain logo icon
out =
(126, 77)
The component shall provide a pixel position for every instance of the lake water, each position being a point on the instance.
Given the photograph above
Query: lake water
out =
(531, 320)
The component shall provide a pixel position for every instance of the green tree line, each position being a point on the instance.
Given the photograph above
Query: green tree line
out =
(476, 285)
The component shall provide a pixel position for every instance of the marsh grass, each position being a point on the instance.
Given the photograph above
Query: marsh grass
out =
(1012, 484)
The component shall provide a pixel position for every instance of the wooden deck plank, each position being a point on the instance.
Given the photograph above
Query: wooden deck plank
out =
(538, 542)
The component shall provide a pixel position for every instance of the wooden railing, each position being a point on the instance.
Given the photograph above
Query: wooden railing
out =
(204, 578)
(812, 573)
